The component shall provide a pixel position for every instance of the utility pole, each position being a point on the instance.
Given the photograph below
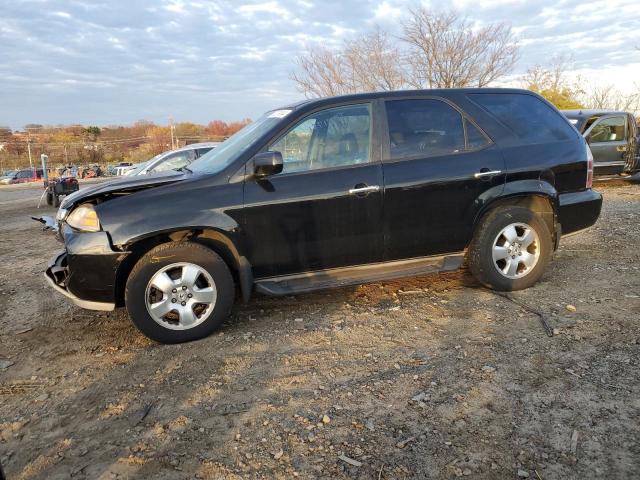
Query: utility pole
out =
(171, 130)
(29, 150)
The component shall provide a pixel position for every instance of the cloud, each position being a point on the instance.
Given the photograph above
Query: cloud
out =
(66, 61)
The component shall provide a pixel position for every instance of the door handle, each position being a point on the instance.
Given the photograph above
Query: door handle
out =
(485, 172)
(362, 190)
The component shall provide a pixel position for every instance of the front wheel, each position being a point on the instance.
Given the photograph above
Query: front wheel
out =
(510, 249)
(179, 292)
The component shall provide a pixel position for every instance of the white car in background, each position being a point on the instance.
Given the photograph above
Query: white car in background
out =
(173, 159)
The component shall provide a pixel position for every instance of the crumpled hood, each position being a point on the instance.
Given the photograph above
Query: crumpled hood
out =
(123, 184)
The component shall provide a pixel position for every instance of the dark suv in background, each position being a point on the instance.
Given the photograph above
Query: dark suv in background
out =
(612, 137)
(333, 192)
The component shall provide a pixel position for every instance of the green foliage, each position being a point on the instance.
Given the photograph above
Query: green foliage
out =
(562, 98)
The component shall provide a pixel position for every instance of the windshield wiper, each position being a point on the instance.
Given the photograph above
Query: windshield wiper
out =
(185, 169)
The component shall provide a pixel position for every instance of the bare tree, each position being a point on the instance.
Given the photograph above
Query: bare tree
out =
(610, 98)
(550, 77)
(365, 64)
(438, 50)
(553, 83)
(446, 51)
(373, 62)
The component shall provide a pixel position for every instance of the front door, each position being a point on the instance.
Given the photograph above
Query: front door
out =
(607, 138)
(439, 163)
(325, 209)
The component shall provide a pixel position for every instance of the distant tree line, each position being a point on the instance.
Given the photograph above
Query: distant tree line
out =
(82, 145)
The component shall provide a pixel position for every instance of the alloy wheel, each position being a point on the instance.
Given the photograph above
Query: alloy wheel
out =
(516, 250)
(180, 296)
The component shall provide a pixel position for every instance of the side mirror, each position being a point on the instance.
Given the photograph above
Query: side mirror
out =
(267, 163)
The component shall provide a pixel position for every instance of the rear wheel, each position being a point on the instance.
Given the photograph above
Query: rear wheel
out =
(179, 292)
(510, 249)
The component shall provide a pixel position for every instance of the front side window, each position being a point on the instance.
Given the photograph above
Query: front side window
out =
(608, 130)
(424, 128)
(531, 119)
(331, 138)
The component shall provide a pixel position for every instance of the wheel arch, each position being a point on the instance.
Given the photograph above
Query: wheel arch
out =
(213, 239)
(538, 196)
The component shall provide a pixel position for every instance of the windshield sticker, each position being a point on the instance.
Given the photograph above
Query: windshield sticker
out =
(279, 113)
(573, 121)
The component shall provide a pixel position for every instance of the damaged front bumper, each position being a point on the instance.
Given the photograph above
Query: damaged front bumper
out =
(57, 274)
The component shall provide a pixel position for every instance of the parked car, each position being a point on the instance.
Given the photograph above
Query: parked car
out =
(612, 137)
(173, 159)
(118, 169)
(332, 192)
(22, 176)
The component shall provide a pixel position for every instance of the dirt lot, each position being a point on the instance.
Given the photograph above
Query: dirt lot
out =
(421, 378)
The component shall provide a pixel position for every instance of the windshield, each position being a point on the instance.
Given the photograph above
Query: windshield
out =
(222, 156)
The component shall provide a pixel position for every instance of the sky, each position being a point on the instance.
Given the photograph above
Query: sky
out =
(102, 62)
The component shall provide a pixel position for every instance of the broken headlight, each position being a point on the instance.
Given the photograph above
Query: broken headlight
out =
(84, 218)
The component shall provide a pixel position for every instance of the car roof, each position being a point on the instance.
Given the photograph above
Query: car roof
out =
(193, 146)
(588, 113)
(440, 92)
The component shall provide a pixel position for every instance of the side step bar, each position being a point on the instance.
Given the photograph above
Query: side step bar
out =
(340, 277)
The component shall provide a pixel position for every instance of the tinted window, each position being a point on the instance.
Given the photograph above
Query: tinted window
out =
(608, 130)
(475, 138)
(326, 139)
(532, 120)
(423, 127)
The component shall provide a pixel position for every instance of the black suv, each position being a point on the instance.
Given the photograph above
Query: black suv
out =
(333, 192)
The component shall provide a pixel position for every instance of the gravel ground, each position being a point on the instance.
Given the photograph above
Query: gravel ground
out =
(430, 377)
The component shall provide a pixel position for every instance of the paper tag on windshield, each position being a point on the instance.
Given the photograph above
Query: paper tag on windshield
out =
(279, 113)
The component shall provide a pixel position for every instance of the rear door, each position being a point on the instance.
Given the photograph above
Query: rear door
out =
(607, 138)
(437, 164)
(325, 209)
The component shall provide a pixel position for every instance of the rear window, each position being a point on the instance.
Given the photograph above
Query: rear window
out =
(532, 120)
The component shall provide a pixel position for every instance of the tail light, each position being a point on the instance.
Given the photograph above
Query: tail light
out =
(589, 167)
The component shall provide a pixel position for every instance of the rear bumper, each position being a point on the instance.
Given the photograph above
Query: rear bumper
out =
(578, 210)
(57, 275)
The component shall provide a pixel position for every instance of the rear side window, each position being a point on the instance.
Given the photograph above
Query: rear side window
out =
(532, 120)
(424, 128)
(475, 138)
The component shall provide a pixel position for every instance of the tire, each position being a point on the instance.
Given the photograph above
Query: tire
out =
(148, 289)
(492, 257)
(56, 200)
(50, 198)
